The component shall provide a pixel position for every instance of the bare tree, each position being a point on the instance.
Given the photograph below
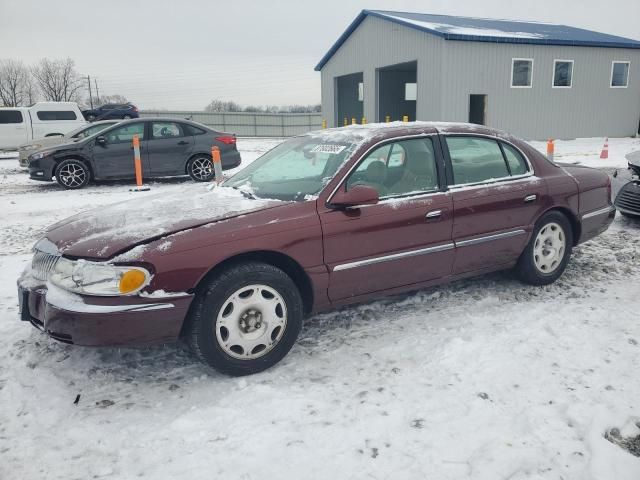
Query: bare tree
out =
(58, 80)
(104, 99)
(222, 106)
(14, 76)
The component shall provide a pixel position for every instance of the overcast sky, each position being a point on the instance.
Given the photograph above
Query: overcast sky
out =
(181, 54)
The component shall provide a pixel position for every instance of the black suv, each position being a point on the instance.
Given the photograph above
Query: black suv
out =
(112, 111)
(168, 147)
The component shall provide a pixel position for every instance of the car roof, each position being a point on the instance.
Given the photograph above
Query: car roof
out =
(370, 130)
(166, 119)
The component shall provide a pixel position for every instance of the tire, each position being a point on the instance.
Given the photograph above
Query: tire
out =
(546, 255)
(200, 168)
(72, 174)
(244, 320)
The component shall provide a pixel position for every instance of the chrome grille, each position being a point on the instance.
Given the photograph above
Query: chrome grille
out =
(42, 264)
(629, 198)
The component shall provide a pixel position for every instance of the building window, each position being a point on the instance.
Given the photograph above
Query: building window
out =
(361, 92)
(619, 74)
(410, 91)
(521, 72)
(562, 73)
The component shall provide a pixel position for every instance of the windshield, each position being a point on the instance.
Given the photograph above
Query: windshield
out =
(294, 170)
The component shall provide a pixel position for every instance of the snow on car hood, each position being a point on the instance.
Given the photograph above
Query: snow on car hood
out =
(104, 232)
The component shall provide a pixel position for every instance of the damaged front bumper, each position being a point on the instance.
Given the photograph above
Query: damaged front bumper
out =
(101, 321)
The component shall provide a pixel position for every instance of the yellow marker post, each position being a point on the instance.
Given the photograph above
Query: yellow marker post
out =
(387, 119)
(353, 121)
(405, 118)
(324, 124)
(137, 165)
(346, 122)
(364, 120)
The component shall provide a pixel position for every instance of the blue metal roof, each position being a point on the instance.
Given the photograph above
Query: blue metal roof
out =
(488, 30)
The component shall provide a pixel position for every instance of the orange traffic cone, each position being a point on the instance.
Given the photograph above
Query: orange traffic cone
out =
(605, 150)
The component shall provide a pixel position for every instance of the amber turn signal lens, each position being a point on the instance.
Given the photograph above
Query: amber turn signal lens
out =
(131, 280)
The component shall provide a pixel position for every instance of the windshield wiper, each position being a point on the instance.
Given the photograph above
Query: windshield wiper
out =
(246, 194)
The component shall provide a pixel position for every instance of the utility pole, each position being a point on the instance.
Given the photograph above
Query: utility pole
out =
(90, 95)
(95, 80)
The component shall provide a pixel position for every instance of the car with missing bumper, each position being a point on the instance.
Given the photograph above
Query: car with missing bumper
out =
(168, 147)
(323, 220)
(85, 131)
(626, 187)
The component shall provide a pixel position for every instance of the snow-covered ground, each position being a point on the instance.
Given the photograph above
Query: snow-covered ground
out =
(482, 379)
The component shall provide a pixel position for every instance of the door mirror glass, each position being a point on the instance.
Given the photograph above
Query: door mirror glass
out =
(356, 195)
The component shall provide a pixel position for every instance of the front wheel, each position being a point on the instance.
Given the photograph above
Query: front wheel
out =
(245, 320)
(72, 174)
(200, 168)
(546, 255)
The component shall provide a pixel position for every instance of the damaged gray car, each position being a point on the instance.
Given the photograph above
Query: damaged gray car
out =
(626, 187)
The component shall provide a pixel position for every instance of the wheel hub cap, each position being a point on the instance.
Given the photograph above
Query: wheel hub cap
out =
(251, 322)
(549, 248)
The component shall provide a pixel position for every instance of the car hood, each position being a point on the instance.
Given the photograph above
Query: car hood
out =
(105, 232)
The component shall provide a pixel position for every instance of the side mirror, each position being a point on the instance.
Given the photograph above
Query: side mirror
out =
(101, 140)
(356, 195)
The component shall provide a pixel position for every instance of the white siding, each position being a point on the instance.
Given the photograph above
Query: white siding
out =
(449, 71)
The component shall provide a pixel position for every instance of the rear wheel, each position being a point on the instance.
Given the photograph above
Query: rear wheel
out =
(546, 255)
(246, 319)
(200, 168)
(72, 174)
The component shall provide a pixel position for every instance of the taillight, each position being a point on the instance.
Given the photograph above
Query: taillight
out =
(227, 139)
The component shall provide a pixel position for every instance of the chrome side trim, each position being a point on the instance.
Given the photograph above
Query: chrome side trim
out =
(489, 238)
(599, 212)
(395, 256)
(77, 307)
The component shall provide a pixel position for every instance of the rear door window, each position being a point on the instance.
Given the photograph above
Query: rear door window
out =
(517, 164)
(476, 160)
(166, 130)
(53, 115)
(10, 116)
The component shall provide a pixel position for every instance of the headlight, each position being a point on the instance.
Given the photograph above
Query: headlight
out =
(93, 278)
(39, 155)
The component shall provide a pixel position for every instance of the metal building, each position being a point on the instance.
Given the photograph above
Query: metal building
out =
(535, 80)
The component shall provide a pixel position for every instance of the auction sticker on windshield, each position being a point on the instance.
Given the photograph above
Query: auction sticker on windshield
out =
(335, 149)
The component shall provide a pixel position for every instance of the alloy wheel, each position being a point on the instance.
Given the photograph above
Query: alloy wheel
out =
(549, 248)
(72, 175)
(251, 322)
(202, 168)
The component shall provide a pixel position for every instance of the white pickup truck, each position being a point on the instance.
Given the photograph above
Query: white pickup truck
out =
(43, 119)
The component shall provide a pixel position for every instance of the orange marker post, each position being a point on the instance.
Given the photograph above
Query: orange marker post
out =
(550, 149)
(137, 163)
(217, 163)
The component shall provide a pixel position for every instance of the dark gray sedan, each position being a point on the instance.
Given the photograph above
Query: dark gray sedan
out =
(168, 147)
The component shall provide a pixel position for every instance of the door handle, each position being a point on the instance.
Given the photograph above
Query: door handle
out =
(530, 198)
(183, 143)
(433, 214)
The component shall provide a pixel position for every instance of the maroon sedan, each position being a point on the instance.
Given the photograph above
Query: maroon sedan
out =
(323, 220)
